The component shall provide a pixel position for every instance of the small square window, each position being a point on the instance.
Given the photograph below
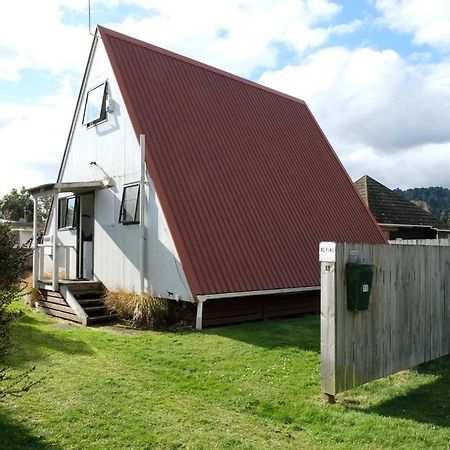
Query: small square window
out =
(95, 107)
(129, 208)
(67, 217)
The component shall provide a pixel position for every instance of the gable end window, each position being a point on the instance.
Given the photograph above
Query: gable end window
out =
(95, 107)
(67, 217)
(129, 208)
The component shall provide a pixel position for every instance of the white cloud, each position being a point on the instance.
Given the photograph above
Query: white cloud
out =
(252, 28)
(375, 107)
(237, 35)
(382, 113)
(42, 41)
(33, 137)
(346, 28)
(424, 166)
(32, 35)
(427, 21)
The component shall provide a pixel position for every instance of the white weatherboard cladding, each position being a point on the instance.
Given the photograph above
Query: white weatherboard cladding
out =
(114, 148)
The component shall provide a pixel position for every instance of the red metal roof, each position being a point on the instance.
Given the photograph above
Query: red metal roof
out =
(247, 180)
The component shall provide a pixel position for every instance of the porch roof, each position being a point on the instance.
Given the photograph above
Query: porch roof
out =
(75, 187)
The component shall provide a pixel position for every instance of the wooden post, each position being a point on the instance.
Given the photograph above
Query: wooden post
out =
(41, 253)
(67, 263)
(327, 255)
(55, 277)
(199, 318)
(35, 244)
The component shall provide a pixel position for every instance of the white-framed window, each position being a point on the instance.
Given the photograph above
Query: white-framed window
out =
(95, 106)
(129, 208)
(67, 217)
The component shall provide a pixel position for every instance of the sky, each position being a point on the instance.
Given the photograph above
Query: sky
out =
(375, 73)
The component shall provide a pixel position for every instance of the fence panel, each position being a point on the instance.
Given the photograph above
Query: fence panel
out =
(408, 319)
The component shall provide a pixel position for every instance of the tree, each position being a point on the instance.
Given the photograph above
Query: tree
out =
(44, 205)
(436, 197)
(445, 217)
(12, 260)
(17, 205)
(422, 204)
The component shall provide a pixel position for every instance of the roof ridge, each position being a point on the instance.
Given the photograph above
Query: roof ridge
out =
(366, 189)
(194, 62)
(363, 190)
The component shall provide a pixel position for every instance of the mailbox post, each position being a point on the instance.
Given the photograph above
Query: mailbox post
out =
(327, 258)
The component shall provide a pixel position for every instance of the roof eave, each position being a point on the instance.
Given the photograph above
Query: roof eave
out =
(224, 295)
(405, 225)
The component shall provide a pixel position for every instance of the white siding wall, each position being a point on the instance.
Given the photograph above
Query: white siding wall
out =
(115, 149)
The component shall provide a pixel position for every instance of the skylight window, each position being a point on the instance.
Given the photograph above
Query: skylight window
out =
(95, 108)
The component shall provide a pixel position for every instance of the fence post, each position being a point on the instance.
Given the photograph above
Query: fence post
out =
(327, 257)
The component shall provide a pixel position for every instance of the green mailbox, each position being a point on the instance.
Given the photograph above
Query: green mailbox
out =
(359, 284)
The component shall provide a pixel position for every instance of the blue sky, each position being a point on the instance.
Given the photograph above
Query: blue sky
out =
(375, 73)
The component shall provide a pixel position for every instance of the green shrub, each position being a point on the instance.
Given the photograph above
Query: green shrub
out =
(12, 257)
(7, 316)
(12, 260)
(140, 311)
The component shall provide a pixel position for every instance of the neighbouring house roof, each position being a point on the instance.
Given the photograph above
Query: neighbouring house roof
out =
(388, 207)
(17, 225)
(247, 180)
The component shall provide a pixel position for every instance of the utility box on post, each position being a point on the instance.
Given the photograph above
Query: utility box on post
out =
(359, 284)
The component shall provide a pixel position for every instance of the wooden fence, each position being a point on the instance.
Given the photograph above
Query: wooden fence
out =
(406, 324)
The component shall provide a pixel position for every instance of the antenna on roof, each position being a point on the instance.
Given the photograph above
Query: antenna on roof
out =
(89, 15)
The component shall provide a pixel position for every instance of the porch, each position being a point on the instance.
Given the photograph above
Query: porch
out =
(66, 290)
(51, 246)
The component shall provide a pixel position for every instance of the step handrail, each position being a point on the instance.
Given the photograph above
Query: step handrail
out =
(73, 303)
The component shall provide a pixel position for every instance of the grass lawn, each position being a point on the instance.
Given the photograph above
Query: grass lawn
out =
(250, 386)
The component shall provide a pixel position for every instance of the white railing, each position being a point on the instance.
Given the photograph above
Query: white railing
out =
(66, 256)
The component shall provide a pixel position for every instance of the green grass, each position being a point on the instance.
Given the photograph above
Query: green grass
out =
(251, 386)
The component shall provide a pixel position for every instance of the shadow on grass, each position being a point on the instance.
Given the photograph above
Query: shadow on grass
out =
(32, 342)
(14, 436)
(430, 403)
(300, 332)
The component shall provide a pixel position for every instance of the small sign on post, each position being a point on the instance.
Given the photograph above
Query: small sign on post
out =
(327, 252)
(48, 243)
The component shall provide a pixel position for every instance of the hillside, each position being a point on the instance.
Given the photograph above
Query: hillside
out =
(437, 198)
